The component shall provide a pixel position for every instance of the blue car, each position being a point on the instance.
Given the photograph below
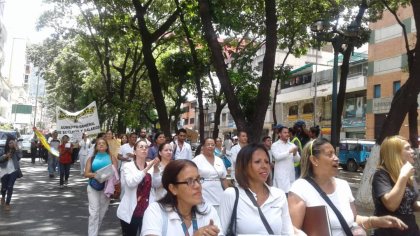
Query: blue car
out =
(354, 153)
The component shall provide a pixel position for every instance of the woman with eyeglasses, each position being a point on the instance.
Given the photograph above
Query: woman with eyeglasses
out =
(253, 195)
(212, 169)
(181, 211)
(137, 185)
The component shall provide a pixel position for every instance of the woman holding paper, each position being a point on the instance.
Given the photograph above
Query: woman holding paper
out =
(319, 166)
(393, 186)
(137, 185)
(98, 201)
(254, 207)
(9, 170)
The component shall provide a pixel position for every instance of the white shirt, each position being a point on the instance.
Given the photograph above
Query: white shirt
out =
(125, 149)
(158, 190)
(341, 197)
(233, 154)
(84, 147)
(284, 170)
(182, 153)
(212, 186)
(132, 178)
(153, 220)
(275, 210)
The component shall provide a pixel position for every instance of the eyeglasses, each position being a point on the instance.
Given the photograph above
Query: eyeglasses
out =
(190, 182)
(143, 147)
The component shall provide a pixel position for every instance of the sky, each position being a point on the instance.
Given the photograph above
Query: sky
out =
(20, 17)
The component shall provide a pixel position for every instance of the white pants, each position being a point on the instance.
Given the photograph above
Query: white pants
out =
(98, 205)
(82, 159)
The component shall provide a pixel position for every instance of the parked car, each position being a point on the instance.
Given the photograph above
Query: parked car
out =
(354, 153)
(24, 143)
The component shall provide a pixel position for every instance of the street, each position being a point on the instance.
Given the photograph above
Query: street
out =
(40, 207)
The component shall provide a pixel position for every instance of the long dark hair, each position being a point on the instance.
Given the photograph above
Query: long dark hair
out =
(170, 176)
(243, 160)
(7, 148)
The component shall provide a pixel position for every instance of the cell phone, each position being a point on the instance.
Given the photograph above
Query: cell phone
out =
(68, 145)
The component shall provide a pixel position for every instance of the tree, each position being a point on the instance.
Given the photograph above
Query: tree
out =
(255, 128)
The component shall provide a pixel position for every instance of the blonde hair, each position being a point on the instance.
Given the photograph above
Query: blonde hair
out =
(312, 148)
(390, 156)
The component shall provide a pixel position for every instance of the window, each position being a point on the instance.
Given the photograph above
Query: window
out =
(186, 109)
(224, 117)
(396, 86)
(308, 108)
(191, 121)
(186, 121)
(377, 91)
(26, 79)
(293, 110)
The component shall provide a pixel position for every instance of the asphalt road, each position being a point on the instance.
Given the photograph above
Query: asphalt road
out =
(40, 207)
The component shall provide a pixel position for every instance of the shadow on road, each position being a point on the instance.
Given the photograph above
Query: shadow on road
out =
(40, 207)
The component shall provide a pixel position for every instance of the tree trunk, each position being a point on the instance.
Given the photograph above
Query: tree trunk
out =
(412, 125)
(263, 97)
(219, 108)
(195, 71)
(220, 65)
(148, 39)
(343, 85)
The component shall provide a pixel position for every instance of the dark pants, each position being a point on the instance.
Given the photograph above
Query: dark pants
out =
(34, 153)
(64, 172)
(74, 155)
(7, 183)
(132, 228)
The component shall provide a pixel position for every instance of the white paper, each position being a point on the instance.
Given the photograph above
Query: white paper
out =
(104, 173)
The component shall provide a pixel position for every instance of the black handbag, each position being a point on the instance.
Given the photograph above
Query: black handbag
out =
(231, 231)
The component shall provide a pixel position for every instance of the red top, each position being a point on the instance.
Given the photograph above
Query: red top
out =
(65, 154)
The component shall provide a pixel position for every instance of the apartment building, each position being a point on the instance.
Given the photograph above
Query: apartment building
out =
(307, 96)
(387, 67)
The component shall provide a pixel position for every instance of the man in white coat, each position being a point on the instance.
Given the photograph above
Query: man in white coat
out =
(285, 154)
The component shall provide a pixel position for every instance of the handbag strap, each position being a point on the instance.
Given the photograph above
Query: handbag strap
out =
(232, 223)
(263, 219)
(340, 217)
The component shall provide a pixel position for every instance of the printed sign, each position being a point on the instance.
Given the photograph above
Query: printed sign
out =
(76, 123)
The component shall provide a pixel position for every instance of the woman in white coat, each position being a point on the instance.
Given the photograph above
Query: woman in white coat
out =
(165, 156)
(84, 145)
(137, 185)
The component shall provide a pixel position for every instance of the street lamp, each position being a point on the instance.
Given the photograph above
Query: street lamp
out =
(337, 38)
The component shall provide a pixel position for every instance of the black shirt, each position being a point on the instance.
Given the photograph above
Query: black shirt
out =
(382, 184)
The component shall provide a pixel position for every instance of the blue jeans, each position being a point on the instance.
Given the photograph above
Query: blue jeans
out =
(52, 164)
(7, 183)
(64, 172)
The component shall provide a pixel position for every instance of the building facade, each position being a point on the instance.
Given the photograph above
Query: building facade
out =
(387, 67)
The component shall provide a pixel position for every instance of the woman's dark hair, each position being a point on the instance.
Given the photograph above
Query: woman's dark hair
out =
(312, 148)
(170, 176)
(160, 148)
(157, 136)
(198, 150)
(243, 160)
(315, 130)
(7, 148)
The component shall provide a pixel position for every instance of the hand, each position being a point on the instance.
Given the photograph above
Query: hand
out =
(209, 230)
(293, 150)
(407, 170)
(156, 162)
(130, 155)
(387, 222)
(152, 163)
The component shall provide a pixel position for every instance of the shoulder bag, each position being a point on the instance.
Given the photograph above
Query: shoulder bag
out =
(231, 231)
(263, 219)
(340, 217)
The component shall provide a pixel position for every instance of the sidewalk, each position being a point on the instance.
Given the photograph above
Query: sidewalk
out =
(40, 207)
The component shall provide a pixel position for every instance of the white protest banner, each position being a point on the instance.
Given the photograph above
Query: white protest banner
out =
(86, 120)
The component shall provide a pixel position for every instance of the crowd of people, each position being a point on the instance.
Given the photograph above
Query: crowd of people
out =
(227, 187)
